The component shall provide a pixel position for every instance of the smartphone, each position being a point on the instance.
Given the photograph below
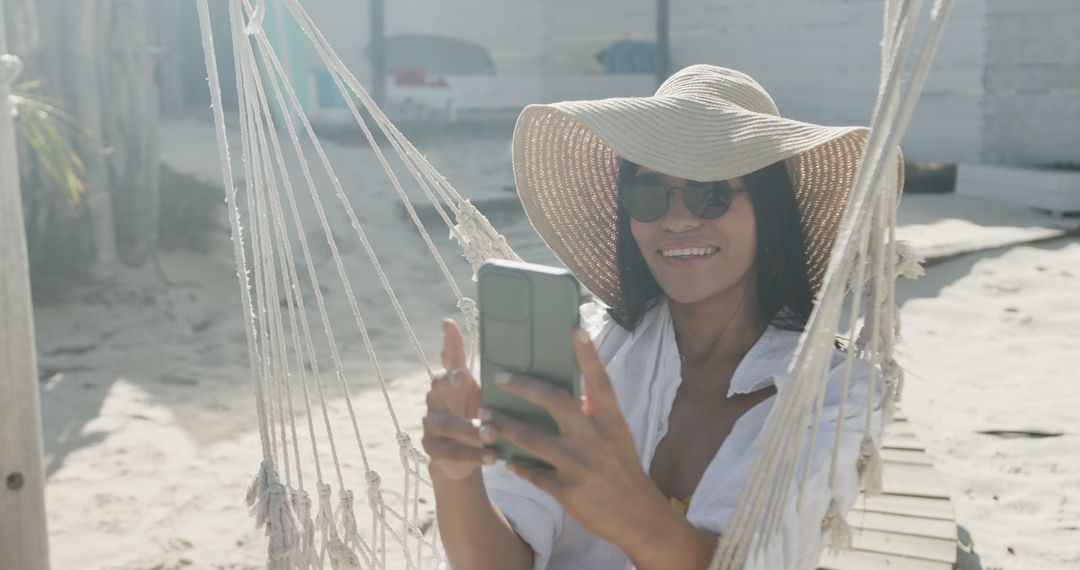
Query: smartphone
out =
(527, 314)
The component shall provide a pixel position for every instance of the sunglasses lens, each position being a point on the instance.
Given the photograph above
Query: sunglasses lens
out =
(708, 200)
(645, 200)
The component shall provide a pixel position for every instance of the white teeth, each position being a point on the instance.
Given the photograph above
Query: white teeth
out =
(687, 251)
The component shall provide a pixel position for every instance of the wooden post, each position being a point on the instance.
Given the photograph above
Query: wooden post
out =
(23, 539)
(663, 41)
(377, 51)
(84, 63)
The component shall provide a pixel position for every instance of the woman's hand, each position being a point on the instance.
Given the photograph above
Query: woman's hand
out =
(450, 438)
(598, 477)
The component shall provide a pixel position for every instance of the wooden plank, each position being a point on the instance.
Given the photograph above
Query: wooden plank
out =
(893, 455)
(900, 432)
(23, 538)
(899, 429)
(911, 526)
(861, 560)
(944, 529)
(913, 479)
(906, 545)
(926, 507)
(902, 441)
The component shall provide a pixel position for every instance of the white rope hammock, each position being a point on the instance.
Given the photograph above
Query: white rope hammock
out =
(282, 349)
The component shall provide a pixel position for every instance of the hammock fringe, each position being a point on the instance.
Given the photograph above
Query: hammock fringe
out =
(324, 520)
(909, 263)
(284, 536)
(835, 530)
(870, 467)
(341, 556)
(307, 554)
(347, 515)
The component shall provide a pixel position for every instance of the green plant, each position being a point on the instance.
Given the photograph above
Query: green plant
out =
(48, 129)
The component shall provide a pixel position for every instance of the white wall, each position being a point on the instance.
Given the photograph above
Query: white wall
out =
(1005, 87)
(542, 50)
(820, 60)
(1032, 109)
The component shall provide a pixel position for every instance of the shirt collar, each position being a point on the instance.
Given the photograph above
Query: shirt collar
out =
(765, 364)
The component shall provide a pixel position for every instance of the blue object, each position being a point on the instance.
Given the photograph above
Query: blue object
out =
(629, 56)
(328, 95)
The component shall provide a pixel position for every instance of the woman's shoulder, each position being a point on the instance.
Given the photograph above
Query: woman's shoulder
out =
(596, 319)
(776, 350)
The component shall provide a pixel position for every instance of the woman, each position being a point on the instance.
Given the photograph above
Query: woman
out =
(703, 220)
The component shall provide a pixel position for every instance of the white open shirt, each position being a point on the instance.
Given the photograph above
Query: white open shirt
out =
(645, 368)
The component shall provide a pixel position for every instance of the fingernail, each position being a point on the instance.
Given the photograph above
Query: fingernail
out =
(502, 377)
(452, 375)
(581, 336)
(486, 433)
(485, 415)
(487, 459)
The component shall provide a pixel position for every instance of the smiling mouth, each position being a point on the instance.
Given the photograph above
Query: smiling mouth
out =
(687, 252)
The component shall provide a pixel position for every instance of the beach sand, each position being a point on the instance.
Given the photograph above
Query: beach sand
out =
(150, 426)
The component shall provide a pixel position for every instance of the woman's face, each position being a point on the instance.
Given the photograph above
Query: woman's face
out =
(724, 248)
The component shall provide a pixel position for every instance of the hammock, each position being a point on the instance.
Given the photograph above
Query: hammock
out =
(284, 363)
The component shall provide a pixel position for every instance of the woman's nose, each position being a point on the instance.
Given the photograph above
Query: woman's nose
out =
(678, 219)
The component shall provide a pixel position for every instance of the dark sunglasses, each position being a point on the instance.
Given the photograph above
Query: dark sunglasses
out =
(647, 198)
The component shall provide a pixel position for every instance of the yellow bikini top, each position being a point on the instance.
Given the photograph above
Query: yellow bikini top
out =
(680, 505)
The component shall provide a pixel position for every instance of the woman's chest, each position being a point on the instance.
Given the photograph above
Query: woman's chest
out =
(699, 423)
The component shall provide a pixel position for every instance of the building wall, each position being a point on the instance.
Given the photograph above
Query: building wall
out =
(821, 62)
(1005, 86)
(1032, 108)
(510, 29)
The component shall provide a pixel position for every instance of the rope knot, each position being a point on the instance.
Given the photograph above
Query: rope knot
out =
(479, 240)
(374, 483)
(306, 555)
(869, 467)
(348, 518)
(255, 23)
(893, 373)
(280, 526)
(405, 446)
(260, 483)
(908, 261)
(301, 502)
(471, 312)
(325, 519)
(346, 501)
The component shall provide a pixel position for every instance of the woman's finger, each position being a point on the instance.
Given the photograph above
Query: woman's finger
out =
(448, 379)
(438, 423)
(542, 445)
(601, 400)
(545, 479)
(453, 351)
(563, 406)
(446, 449)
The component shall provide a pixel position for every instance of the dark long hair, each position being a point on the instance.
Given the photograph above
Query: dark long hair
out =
(783, 287)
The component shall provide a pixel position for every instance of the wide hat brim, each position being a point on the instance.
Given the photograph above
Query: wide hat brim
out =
(705, 123)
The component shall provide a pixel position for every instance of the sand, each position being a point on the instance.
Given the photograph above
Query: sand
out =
(150, 429)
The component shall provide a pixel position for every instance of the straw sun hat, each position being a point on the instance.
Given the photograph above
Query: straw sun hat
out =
(705, 123)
